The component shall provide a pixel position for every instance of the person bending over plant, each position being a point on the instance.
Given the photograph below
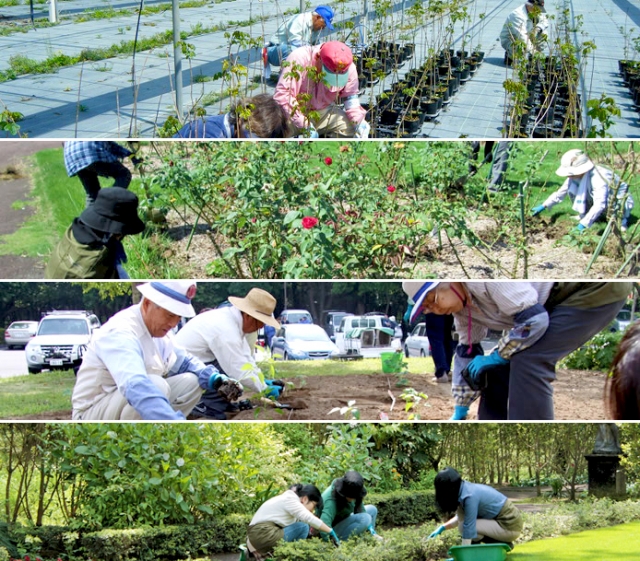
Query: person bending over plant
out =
(526, 25)
(286, 517)
(482, 514)
(591, 189)
(343, 509)
(543, 322)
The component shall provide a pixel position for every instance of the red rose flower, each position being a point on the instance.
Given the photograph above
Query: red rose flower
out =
(309, 222)
(328, 161)
(253, 220)
(391, 188)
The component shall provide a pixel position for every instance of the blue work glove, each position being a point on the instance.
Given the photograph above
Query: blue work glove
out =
(334, 538)
(459, 413)
(230, 389)
(579, 228)
(374, 533)
(437, 532)
(482, 364)
(537, 210)
(273, 392)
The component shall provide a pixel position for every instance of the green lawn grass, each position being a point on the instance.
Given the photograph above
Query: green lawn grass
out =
(616, 543)
(37, 393)
(51, 391)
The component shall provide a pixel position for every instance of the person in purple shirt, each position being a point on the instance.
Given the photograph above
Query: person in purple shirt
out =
(481, 513)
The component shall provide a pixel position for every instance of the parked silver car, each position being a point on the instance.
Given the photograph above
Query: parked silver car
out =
(417, 344)
(302, 342)
(19, 333)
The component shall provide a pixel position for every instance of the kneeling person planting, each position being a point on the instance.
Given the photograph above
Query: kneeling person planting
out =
(482, 514)
(286, 517)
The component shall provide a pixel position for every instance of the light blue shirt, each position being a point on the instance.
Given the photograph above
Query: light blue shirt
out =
(478, 501)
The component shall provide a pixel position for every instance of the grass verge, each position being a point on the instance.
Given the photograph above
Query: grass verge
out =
(34, 394)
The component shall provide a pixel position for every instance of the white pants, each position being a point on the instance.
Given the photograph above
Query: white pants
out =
(182, 391)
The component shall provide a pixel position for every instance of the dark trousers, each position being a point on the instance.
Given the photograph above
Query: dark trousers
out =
(440, 334)
(522, 390)
(89, 177)
(212, 405)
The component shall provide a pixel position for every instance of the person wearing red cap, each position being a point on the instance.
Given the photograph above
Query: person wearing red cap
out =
(313, 84)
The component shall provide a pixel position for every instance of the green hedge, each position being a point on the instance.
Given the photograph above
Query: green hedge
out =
(169, 543)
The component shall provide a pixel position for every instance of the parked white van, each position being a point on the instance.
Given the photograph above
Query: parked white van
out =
(366, 335)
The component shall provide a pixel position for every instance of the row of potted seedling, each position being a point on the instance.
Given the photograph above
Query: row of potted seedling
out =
(630, 72)
(402, 109)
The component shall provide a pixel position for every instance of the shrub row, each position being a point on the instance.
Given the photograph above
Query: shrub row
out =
(181, 542)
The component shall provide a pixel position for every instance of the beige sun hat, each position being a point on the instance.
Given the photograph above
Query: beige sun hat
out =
(173, 296)
(258, 304)
(574, 162)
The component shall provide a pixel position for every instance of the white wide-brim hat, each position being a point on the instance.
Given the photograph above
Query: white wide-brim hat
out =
(417, 291)
(173, 296)
(258, 304)
(574, 162)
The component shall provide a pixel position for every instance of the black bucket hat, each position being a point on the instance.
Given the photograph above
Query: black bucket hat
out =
(115, 210)
(447, 484)
(350, 486)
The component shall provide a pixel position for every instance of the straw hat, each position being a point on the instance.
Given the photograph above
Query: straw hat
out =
(258, 304)
(574, 162)
(173, 296)
(417, 291)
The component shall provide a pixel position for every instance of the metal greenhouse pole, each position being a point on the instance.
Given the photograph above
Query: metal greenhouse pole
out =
(177, 57)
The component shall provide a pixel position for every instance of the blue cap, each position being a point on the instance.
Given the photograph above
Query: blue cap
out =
(327, 15)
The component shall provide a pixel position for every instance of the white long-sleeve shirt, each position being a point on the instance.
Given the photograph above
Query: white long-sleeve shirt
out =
(297, 31)
(284, 510)
(519, 27)
(218, 335)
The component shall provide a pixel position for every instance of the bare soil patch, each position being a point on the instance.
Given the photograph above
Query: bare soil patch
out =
(578, 396)
(547, 259)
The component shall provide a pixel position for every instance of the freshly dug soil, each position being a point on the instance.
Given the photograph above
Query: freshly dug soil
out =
(578, 396)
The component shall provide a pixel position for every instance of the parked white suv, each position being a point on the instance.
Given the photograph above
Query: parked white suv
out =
(61, 340)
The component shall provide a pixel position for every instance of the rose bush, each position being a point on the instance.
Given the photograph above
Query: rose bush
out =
(272, 211)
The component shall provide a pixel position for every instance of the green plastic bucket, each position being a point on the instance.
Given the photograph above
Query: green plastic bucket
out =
(480, 552)
(391, 363)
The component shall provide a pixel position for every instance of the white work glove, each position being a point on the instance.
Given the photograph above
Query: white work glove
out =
(362, 130)
(311, 133)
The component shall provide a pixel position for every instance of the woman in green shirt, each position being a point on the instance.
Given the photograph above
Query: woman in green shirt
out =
(343, 509)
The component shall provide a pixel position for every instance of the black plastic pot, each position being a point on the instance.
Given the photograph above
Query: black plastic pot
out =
(430, 108)
(411, 124)
(389, 117)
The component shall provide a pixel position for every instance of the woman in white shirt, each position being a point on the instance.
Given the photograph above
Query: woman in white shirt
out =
(286, 517)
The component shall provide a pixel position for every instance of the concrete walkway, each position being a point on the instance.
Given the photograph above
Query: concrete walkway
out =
(100, 99)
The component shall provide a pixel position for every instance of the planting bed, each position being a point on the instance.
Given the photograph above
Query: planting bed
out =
(578, 396)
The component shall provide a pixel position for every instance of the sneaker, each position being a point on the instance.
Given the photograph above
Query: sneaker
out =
(444, 379)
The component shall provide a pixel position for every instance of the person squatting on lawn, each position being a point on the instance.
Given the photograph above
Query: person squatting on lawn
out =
(221, 337)
(90, 159)
(91, 247)
(482, 514)
(526, 25)
(132, 370)
(623, 384)
(301, 30)
(327, 74)
(251, 117)
(543, 322)
(286, 517)
(591, 188)
(343, 510)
